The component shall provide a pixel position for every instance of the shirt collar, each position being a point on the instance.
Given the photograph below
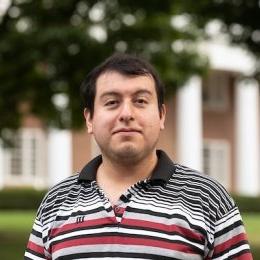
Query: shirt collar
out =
(162, 171)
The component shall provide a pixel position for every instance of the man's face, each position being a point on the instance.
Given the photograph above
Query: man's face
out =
(126, 122)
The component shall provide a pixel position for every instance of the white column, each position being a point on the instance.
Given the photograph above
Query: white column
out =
(59, 155)
(2, 172)
(189, 124)
(247, 138)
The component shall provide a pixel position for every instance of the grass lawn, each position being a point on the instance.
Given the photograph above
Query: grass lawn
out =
(252, 225)
(15, 227)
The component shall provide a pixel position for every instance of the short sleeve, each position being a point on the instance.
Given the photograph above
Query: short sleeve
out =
(230, 240)
(35, 247)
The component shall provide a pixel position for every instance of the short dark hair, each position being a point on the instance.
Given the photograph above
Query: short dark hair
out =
(125, 64)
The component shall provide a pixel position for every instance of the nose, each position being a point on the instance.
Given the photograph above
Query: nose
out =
(126, 113)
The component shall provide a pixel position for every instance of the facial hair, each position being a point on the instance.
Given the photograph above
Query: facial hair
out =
(129, 154)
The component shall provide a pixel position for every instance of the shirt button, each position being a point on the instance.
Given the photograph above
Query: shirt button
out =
(117, 209)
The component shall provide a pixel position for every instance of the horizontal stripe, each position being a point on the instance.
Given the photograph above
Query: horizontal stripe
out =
(240, 252)
(36, 248)
(228, 244)
(134, 251)
(124, 241)
(33, 250)
(163, 228)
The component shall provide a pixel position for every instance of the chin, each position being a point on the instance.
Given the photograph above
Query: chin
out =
(128, 151)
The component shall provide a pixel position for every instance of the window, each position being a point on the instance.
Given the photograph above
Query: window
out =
(25, 161)
(15, 157)
(215, 91)
(216, 155)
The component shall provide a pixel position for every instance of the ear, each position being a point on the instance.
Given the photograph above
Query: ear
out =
(162, 116)
(88, 120)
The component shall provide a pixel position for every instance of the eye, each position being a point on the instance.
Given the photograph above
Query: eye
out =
(141, 101)
(111, 103)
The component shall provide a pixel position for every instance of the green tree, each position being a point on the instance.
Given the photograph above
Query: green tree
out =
(47, 47)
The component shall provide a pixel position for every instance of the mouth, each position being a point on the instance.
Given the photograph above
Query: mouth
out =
(126, 131)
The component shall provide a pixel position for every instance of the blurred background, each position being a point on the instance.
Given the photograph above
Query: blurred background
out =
(207, 54)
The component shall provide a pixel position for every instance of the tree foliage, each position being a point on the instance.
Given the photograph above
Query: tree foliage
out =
(48, 46)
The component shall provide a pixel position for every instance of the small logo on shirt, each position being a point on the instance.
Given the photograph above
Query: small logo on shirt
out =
(80, 219)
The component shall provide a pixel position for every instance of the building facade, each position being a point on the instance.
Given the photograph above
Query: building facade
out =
(212, 125)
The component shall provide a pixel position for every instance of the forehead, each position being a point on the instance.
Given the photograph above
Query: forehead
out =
(119, 83)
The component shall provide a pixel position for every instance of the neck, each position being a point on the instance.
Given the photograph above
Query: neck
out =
(126, 174)
(115, 177)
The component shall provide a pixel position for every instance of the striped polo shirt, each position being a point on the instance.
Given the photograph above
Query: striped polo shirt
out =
(176, 214)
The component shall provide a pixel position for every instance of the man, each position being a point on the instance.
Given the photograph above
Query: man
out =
(132, 201)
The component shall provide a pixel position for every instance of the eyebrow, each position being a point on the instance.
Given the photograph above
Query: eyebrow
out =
(143, 91)
(115, 93)
(109, 93)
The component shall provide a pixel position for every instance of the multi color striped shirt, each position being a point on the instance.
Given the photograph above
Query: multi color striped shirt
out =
(176, 214)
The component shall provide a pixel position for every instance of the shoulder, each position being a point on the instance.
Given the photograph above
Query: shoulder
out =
(64, 186)
(59, 193)
(202, 187)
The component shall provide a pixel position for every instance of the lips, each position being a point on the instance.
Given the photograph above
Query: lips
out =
(126, 130)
